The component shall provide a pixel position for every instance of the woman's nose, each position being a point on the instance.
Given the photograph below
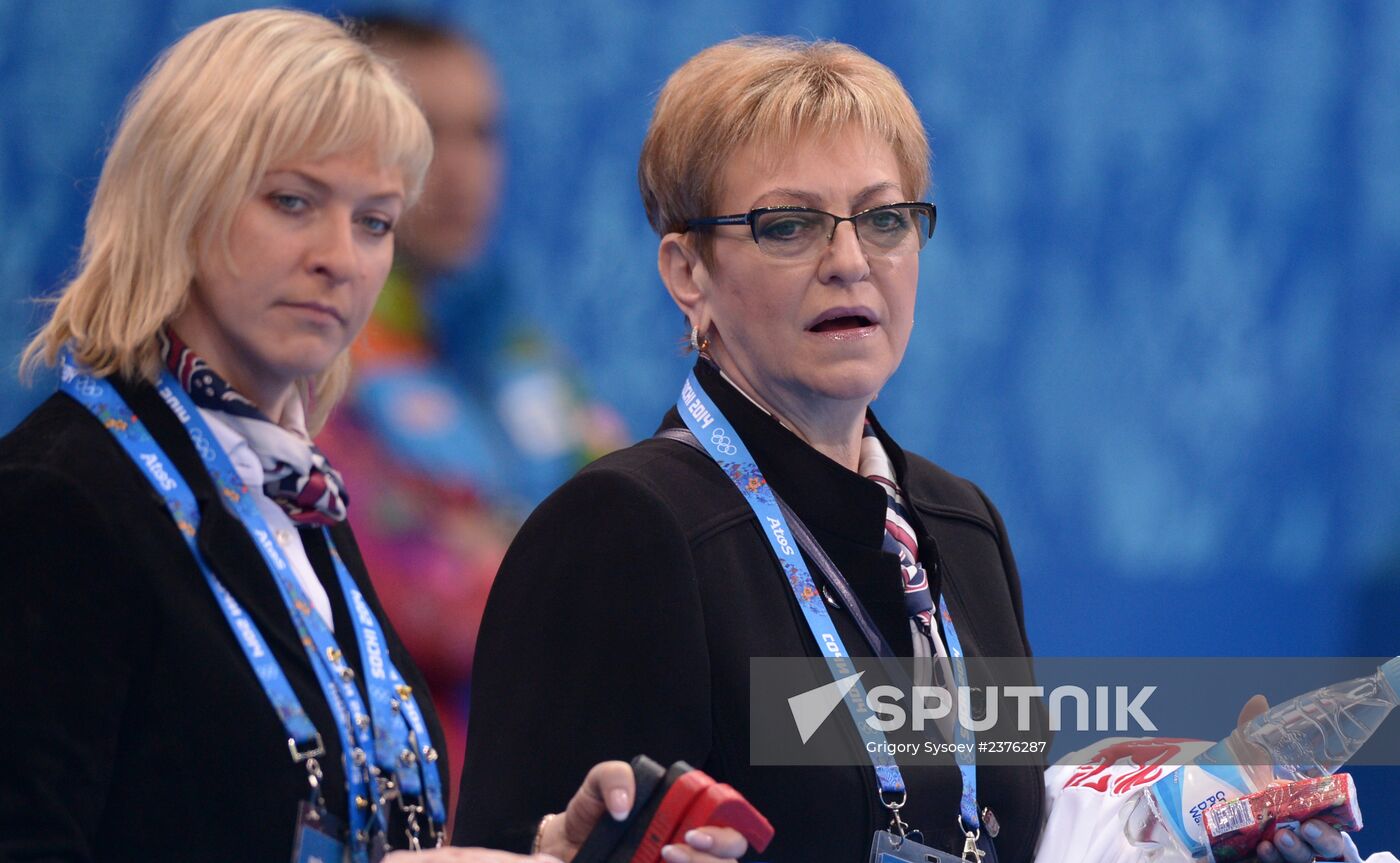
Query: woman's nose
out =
(844, 260)
(334, 253)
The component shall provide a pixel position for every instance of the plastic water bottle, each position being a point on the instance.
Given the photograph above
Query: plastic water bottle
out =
(1311, 735)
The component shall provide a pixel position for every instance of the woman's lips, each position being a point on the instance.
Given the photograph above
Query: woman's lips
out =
(318, 310)
(845, 322)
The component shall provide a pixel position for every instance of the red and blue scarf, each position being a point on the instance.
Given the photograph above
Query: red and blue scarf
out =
(296, 474)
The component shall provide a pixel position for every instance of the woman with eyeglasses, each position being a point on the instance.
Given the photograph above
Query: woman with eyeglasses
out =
(193, 662)
(785, 180)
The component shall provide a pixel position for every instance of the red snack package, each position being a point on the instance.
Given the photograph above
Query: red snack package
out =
(1236, 827)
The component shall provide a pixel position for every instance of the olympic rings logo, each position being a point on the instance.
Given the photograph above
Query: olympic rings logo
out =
(87, 386)
(722, 442)
(201, 443)
(78, 380)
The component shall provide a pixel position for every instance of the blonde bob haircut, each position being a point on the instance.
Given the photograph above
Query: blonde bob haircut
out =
(767, 90)
(217, 110)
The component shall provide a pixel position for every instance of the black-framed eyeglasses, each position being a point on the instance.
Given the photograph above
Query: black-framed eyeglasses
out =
(795, 233)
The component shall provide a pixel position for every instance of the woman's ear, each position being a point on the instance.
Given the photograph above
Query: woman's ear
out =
(687, 278)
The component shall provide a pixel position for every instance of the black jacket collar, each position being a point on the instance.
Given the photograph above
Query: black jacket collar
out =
(844, 510)
(828, 496)
(225, 542)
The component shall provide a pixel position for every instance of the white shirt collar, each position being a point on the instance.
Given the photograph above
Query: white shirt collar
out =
(240, 453)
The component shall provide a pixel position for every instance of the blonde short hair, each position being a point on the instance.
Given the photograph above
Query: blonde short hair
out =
(216, 111)
(769, 90)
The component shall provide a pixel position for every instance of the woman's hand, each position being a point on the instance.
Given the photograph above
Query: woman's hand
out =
(609, 788)
(1314, 838)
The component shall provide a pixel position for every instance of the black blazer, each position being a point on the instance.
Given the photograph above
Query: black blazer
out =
(133, 726)
(626, 611)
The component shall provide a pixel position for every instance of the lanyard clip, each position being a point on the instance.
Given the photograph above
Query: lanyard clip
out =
(411, 827)
(385, 784)
(898, 826)
(971, 853)
(307, 754)
(314, 777)
(309, 751)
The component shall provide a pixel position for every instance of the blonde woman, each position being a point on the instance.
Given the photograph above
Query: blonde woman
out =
(194, 663)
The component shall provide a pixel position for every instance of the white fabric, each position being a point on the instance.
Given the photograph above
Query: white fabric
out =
(250, 470)
(1085, 795)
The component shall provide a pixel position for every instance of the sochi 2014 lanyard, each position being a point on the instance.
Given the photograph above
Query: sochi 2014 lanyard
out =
(717, 436)
(395, 725)
(390, 695)
(336, 678)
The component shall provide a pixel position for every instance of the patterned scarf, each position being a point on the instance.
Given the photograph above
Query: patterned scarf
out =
(899, 540)
(296, 473)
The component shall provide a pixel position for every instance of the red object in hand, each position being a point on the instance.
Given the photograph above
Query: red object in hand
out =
(673, 807)
(1236, 827)
(695, 800)
(721, 806)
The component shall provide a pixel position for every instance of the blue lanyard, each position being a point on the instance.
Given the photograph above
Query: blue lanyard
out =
(104, 402)
(720, 440)
(389, 696)
(966, 759)
(402, 746)
(394, 728)
(335, 676)
(965, 755)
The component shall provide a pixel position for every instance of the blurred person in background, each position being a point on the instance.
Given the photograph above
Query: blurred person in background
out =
(462, 413)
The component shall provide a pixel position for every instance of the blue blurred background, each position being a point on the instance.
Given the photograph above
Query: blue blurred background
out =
(1159, 321)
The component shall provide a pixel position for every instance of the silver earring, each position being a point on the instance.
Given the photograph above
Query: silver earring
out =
(698, 343)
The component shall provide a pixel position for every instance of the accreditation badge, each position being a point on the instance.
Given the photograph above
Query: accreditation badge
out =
(889, 848)
(320, 836)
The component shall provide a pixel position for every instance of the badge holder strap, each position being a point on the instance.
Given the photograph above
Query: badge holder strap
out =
(425, 756)
(833, 575)
(394, 752)
(336, 677)
(968, 819)
(966, 760)
(877, 643)
(401, 733)
(719, 440)
(366, 819)
(102, 400)
(723, 445)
